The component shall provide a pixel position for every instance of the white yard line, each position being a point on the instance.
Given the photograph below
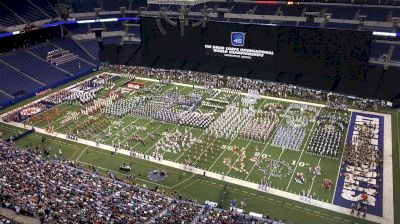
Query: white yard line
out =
(302, 151)
(183, 181)
(228, 179)
(238, 158)
(68, 107)
(221, 154)
(279, 158)
(341, 157)
(312, 183)
(267, 144)
(388, 212)
(188, 148)
(124, 174)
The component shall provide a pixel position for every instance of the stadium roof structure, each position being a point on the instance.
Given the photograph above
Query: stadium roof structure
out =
(177, 2)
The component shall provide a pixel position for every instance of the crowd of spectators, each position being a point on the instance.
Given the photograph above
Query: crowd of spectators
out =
(245, 84)
(58, 191)
(6, 220)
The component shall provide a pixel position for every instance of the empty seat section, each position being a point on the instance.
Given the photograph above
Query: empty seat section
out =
(266, 9)
(34, 67)
(114, 5)
(242, 8)
(42, 50)
(74, 48)
(375, 14)
(378, 49)
(113, 26)
(4, 97)
(26, 11)
(338, 12)
(112, 40)
(342, 26)
(76, 66)
(7, 18)
(84, 5)
(46, 7)
(396, 53)
(15, 83)
(92, 46)
(292, 10)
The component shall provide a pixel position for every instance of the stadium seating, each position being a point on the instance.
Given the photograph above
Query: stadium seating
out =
(396, 54)
(77, 66)
(34, 67)
(14, 83)
(242, 8)
(78, 29)
(74, 48)
(84, 5)
(134, 30)
(112, 40)
(345, 26)
(378, 49)
(46, 7)
(266, 10)
(4, 97)
(113, 5)
(92, 47)
(309, 24)
(339, 12)
(292, 11)
(7, 18)
(375, 14)
(114, 26)
(26, 11)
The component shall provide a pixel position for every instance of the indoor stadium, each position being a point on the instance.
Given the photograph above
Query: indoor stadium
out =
(199, 111)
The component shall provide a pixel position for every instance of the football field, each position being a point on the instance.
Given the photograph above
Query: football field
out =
(229, 153)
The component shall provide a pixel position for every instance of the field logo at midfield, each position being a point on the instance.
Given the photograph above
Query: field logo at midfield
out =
(237, 39)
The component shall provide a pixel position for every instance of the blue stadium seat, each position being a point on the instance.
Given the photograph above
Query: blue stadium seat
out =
(34, 67)
(153, 7)
(84, 5)
(378, 49)
(266, 9)
(396, 54)
(76, 66)
(78, 28)
(92, 46)
(112, 40)
(26, 11)
(242, 8)
(42, 50)
(309, 24)
(114, 5)
(344, 26)
(7, 18)
(292, 10)
(375, 14)
(46, 7)
(4, 97)
(71, 66)
(339, 12)
(113, 26)
(238, 20)
(197, 8)
(74, 48)
(134, 30)
(15, 83)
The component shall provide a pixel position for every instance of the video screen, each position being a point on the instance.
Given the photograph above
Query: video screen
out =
(260, 49)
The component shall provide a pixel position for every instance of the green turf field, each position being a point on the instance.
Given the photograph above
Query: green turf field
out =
(119, 131)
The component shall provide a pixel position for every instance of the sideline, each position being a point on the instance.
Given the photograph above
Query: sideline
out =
(388, 206)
